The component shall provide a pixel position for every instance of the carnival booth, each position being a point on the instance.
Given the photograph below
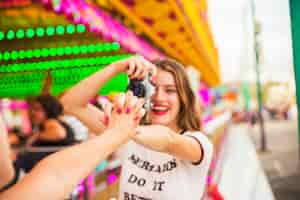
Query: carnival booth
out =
(49, 45)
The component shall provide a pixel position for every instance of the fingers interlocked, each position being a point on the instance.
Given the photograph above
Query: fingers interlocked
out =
(129, 104)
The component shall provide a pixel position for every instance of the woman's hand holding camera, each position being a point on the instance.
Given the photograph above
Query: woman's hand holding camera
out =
(136, 67)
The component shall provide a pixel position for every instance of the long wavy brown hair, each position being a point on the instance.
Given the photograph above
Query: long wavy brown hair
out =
(187, 118)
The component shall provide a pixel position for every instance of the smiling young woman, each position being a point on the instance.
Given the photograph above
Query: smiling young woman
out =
(169, 157)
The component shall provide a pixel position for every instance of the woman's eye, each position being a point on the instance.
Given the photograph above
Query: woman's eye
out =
(171, 90)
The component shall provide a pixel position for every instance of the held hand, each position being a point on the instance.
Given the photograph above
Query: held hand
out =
(107, 107)
(127, 113)
(136, 67)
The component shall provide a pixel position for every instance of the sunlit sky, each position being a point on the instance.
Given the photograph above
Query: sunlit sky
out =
(232, 28)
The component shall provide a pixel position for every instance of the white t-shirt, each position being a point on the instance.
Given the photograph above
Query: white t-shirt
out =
(151, 175)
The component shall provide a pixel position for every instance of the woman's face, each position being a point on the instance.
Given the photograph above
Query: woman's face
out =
(38, 114)
(165, 102)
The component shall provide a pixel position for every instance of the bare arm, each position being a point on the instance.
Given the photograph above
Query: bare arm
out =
(57, 175)
(163, 139)
(6, 167)
(76, 100)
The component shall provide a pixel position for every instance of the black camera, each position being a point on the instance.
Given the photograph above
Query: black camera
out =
(142, 89)
(137, 87)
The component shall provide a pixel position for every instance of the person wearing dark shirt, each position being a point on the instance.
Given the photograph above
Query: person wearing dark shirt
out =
(49, 131)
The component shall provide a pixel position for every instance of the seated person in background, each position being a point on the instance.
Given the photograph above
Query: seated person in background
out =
(49, 131)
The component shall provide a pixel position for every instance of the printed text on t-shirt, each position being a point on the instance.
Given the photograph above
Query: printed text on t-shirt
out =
(146, 165)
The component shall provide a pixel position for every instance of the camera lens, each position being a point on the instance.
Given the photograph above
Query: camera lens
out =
(137, 87)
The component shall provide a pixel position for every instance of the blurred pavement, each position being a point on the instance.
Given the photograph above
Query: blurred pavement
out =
(281, 161)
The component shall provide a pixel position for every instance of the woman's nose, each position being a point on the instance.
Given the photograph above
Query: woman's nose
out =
(159, 95)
